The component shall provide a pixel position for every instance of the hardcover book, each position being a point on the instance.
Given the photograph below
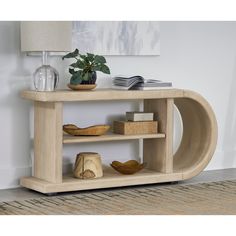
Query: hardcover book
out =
(139, 116)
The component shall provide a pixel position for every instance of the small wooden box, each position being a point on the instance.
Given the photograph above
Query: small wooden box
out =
(135, 127)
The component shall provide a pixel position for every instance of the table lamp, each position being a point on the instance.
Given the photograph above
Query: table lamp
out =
(46, 37)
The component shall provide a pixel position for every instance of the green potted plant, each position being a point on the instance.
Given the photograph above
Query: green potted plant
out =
(83, 70)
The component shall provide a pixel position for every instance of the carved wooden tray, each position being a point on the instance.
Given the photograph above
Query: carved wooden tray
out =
(127, 168)
(95, 130)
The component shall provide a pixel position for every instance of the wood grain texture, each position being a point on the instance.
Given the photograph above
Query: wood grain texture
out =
(158, 154)
(109, 137)
(127, 168)
(195, 151)
(199, 134)
(88, 165)
(48, 141)
(99, 94)
(111, 178)
(95, 130)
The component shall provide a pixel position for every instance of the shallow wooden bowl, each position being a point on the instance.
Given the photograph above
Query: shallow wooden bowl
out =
(82, 86)
(128, 167)
(95, 130)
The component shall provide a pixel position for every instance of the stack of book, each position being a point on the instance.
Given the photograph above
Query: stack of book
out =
(137, 82)
(136, 123)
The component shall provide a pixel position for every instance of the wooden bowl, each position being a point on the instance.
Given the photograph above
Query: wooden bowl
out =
(128, 167)
(95, 130)
(82, 86)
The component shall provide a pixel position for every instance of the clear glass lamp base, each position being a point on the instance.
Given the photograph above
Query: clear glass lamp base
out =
(46, 78)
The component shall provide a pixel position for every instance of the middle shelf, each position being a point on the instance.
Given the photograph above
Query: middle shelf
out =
(109, 137)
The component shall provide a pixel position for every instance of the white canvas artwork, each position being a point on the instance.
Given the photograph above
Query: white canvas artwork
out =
(117, 37)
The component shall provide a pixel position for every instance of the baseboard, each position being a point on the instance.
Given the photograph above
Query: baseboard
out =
(223, 159)
(10, 177)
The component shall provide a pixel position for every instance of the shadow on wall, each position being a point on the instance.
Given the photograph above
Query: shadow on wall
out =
(229, 140)
(15, 119)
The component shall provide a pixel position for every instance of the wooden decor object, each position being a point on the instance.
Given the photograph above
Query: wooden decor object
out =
(135, 127)
(95, 130)
(88, 165)
(195, 151)
(127, 168)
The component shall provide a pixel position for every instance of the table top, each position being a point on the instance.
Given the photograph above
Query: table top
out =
(100, 94)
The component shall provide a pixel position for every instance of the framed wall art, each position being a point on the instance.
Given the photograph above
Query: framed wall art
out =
(117, 37)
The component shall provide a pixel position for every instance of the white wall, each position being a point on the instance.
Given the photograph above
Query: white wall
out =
(194, 55)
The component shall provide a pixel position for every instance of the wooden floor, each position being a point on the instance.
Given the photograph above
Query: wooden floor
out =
(17, 194)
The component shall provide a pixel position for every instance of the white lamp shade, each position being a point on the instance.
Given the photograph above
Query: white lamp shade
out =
(52, 36)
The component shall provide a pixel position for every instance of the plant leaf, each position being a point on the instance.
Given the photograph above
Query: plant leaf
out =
(86, 76)
(80, 64)
(99, 59)
(76, 78)
(90, 57)
(85, 58)
(73, 65)
(105, 69)
(96, 68)
(71, 54)
(71, 71)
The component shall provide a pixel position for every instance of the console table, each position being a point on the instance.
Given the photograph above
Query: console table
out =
(196, 149)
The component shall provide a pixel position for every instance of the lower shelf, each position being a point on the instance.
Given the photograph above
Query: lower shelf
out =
(110, 179)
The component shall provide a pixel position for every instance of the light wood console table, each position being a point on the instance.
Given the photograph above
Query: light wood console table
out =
(196, 149)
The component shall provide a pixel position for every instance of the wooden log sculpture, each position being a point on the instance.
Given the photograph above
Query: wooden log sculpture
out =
(88, 165)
